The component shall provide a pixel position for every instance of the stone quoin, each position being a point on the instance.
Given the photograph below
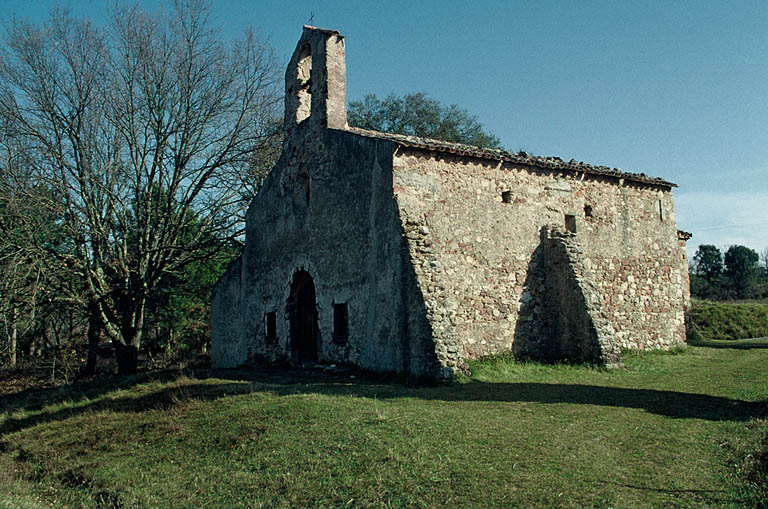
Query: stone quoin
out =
(409, 255)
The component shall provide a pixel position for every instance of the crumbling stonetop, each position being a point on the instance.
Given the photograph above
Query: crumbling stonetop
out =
(551, 163)
(323, 30)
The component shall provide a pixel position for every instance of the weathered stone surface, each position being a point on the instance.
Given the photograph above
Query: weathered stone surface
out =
(227, 345)
(432, 265)
(489, 250)
(577, 328)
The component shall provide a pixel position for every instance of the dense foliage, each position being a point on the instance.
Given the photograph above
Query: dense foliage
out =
(739, 274)
(418, 115)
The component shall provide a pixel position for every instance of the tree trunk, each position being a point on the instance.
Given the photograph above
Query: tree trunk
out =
(94, 336)
(53, 364)
(14, 318)
(127, 358)
(126, 337)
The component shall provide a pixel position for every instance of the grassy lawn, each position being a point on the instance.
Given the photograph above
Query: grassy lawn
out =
(669, 430)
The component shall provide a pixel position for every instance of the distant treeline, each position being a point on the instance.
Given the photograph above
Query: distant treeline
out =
(740, 273)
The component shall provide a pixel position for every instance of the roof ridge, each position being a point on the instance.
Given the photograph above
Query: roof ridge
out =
(549, 162)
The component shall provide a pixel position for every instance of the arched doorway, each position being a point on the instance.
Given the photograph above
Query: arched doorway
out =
(302, 310)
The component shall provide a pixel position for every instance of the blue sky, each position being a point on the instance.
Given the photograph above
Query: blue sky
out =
(667, 88)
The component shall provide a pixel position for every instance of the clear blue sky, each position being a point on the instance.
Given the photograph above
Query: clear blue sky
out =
(668, 88)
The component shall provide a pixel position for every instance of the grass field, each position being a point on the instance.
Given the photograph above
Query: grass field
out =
(730, 320)
(675, 429)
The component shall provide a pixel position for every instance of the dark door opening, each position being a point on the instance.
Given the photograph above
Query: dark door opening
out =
(302, 310)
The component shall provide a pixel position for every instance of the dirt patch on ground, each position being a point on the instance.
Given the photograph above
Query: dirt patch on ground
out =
(13, 381)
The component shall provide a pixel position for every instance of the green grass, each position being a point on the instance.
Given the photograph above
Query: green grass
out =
(725, 321)
(671, 429)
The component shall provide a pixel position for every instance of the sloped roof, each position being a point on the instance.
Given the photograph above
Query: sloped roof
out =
(551, 163)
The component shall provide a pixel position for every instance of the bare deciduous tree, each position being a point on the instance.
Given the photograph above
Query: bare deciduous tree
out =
(23, 274)
(19, 296)
(143, 133)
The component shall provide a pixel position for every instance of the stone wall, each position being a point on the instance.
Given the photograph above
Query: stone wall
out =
(683, 237)
(482, 246)
(442, 257)
(227, 346)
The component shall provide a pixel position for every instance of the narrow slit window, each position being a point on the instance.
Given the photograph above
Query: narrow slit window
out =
(340, 324)
(271, 326)
(661, 211)
(506, 196)
(570, 223)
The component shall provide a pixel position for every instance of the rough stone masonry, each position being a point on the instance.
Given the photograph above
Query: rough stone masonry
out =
(410, 255)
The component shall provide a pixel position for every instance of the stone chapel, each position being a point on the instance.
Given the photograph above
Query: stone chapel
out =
(409, 255)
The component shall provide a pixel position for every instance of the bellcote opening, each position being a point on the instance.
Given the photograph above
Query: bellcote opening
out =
(304, 81)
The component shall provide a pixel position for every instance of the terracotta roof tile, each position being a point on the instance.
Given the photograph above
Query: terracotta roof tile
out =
(552, 163)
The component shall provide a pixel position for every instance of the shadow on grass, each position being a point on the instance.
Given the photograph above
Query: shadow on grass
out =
(701, 496)
(32, 399)
(735, 344)
(673, 404)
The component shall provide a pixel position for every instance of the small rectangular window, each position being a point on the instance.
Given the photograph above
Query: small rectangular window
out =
(506, 196)
(340, 324)
(570, 223)
(271, 326)
(587, 210)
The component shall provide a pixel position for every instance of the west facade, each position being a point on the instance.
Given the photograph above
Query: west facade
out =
(401, 254)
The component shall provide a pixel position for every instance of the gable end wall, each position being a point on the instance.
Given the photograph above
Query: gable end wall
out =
(350, 240)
